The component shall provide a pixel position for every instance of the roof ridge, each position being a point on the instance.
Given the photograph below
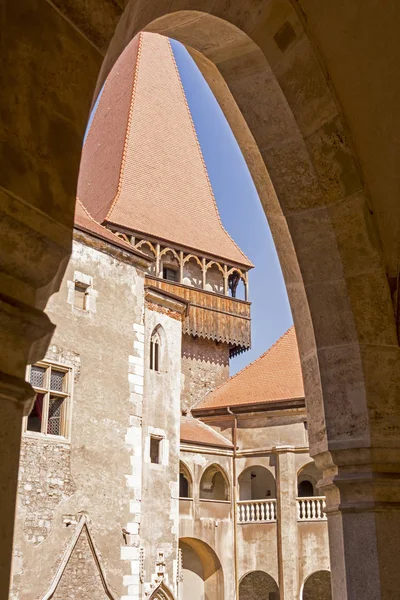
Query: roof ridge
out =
(96, 222)
(128, 128)
(202, 157)
(246, 367)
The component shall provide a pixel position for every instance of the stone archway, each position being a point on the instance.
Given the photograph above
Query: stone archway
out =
(258, 585)
(350, 354)
(202, 571)
(317, 586)
(315, 189)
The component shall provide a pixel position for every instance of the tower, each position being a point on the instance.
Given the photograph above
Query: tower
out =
(143, 176)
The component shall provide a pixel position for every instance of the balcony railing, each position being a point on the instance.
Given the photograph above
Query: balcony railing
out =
(311, 509)
(256, 511)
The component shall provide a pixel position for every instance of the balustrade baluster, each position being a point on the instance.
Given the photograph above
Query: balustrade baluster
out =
(319, 515)
(252, 512)
(262, 509)
(247, 513)
(313, 514)
(257, 512)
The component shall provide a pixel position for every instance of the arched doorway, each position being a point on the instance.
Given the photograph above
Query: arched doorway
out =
(258, 585)
(202, 571)
(317, 586)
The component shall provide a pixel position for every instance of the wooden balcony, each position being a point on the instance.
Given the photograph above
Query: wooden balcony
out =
(212, 316)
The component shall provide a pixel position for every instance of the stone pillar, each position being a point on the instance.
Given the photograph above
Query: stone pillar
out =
(32, 264)
(363, 510)
(286, 479)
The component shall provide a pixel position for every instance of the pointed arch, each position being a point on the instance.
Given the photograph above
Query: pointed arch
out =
(162, 592)
(82, 528)
(146, 243)
(185, 481)
(214, 483)
(157, 349)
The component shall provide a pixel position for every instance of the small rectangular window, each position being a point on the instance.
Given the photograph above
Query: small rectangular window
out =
(80, 295)
(49, 415)
(171, 274)
(155, 450)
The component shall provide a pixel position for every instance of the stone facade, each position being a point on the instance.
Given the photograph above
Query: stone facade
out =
(205, 365)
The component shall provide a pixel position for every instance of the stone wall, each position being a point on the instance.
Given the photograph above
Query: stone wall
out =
(205, 365)
(159, 527)
(90, 473)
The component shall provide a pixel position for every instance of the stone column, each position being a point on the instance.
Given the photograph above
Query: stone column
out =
(286, 479)
(32, 264)
(363, 510)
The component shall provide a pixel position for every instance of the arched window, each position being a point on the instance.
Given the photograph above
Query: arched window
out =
(155, 344)
(185, 482)
(214, 484)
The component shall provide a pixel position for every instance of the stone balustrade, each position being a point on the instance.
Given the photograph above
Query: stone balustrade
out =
(311, 509)
(256, 511)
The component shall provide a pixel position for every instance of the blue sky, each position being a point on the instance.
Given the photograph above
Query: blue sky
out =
(240, 210)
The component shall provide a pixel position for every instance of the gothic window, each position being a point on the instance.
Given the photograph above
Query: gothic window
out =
(50, 412)
(155, 343)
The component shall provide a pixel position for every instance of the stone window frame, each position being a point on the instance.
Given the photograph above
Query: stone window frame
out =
(155, 432)
(85, 282)
(67, 394)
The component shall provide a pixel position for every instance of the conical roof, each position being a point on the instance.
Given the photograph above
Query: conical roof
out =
(142, 167)
(274, 376)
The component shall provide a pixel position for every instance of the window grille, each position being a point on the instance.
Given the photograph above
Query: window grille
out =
(50, 412)
(155, 352)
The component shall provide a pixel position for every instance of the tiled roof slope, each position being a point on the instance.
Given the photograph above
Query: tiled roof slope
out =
(274, 376)
(142, 166)
(196, 432)
(85, 222)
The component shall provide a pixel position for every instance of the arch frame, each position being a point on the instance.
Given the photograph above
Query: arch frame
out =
(215, 468)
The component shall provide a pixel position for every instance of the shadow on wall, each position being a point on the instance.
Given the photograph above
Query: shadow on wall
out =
(202, 571)
(317, 587)
(258, 585)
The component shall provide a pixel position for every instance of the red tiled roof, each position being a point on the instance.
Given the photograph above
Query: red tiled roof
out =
(196, 432)
(85, 222)
(142, 167)
(274, 376)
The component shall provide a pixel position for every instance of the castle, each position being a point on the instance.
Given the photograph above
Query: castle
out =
(146, 472)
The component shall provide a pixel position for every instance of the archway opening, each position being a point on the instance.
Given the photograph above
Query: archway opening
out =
(308, 478)
(185, 482)
(214, 484)
(317, 586)
(256, 483)
(202, 571)
(258, 585)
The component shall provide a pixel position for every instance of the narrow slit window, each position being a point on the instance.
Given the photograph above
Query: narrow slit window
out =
(49, 415)
(155, 450)
(155, 352)
(80, 296)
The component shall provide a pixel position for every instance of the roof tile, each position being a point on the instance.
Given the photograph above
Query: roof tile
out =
(275, 375)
